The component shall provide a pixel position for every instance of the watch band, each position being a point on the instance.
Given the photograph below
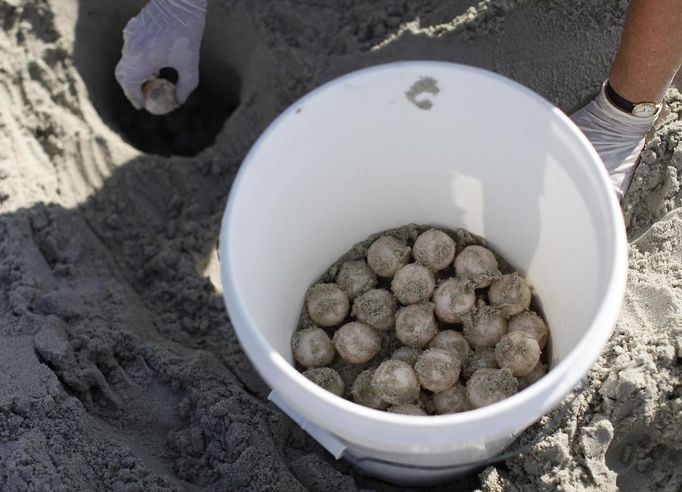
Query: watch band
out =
(618, 100)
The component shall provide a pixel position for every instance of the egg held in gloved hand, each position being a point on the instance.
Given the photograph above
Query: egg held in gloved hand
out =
(165, 34)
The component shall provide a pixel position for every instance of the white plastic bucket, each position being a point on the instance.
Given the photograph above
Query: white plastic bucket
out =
(425, 143)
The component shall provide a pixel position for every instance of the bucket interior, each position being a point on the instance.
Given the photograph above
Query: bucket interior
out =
(361, 156)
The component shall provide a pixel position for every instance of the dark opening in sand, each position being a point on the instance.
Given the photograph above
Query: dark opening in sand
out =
(186, 131)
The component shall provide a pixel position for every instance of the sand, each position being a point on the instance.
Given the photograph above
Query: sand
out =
(119, 369)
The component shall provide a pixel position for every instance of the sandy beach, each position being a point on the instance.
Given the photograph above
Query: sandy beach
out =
(119, 369)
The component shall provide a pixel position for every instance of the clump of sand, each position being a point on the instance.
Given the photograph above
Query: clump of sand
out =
(118, 366)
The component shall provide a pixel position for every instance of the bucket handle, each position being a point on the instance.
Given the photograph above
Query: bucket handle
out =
(328, 440)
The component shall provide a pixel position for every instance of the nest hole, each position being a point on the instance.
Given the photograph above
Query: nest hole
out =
(186, 131)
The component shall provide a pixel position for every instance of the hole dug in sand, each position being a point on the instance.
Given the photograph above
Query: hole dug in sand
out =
(186, 131)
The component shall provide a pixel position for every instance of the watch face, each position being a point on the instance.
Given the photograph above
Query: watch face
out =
(644, 110)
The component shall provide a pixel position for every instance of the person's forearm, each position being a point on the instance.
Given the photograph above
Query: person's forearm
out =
(650, 50)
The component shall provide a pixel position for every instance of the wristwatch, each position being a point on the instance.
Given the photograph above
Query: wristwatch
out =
(639, 110)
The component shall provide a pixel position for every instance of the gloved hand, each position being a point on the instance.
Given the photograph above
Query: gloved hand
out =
(166, 33)
(617, 136)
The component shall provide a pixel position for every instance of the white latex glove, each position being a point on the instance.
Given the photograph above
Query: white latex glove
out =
(618, 137)
(166, 33)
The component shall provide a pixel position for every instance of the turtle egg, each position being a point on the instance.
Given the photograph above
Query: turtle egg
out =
(413, 283)
(386, 255)
(485, 326)
(408, 409)
(312, 347)
(376, 308)
(363, 393)
(533, 376)
(327, 304)
(395, 382)
(452, 340)
(510, 293)
(519, 352)
(437, 369)
(407, 354)
(159, 96)
(326, 378)
(415, 325)
(355, 278)
(453, 299)
(487, 386)
(434, 249)
(477, 263)
(426, 402)
(357, 343)
(531, 323)
(452, 400)
(481, 358)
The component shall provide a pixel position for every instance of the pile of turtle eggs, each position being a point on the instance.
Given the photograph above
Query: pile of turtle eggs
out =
(462, 332)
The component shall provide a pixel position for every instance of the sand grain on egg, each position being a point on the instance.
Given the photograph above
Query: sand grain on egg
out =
(356, 278)
(415, 325)
(488, 386)
(312, 347)
(357, 343)
(453, 299)
(327, 304)
(326, 378)
(364, 393)
(386, 255)
(395, 382)
(519, 352)
(376, 308)
(413, 283)
(478, 264)
(437, 369)
(434, 249)
(510, 293)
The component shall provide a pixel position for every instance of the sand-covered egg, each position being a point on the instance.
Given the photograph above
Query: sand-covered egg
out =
(355, 278)
(327, 304)
(425, 401)
(485, 326)
(480, 358)
(487, 386)
(386, 255)
(510, 293)
(396, 382)
(357, 343)
(452, 340)
(312, 347)
(478, 264)
(407, 354)
(326, 378)
(363, 392)
(452, 400)
(519, 352)
(415, 325)
(437, 369)
(376, 308)
(413, 283)
(531, 323)
(434, 249)
(533, 376)
(453, 299)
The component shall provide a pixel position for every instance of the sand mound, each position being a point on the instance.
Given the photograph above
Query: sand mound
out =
(118, 366)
